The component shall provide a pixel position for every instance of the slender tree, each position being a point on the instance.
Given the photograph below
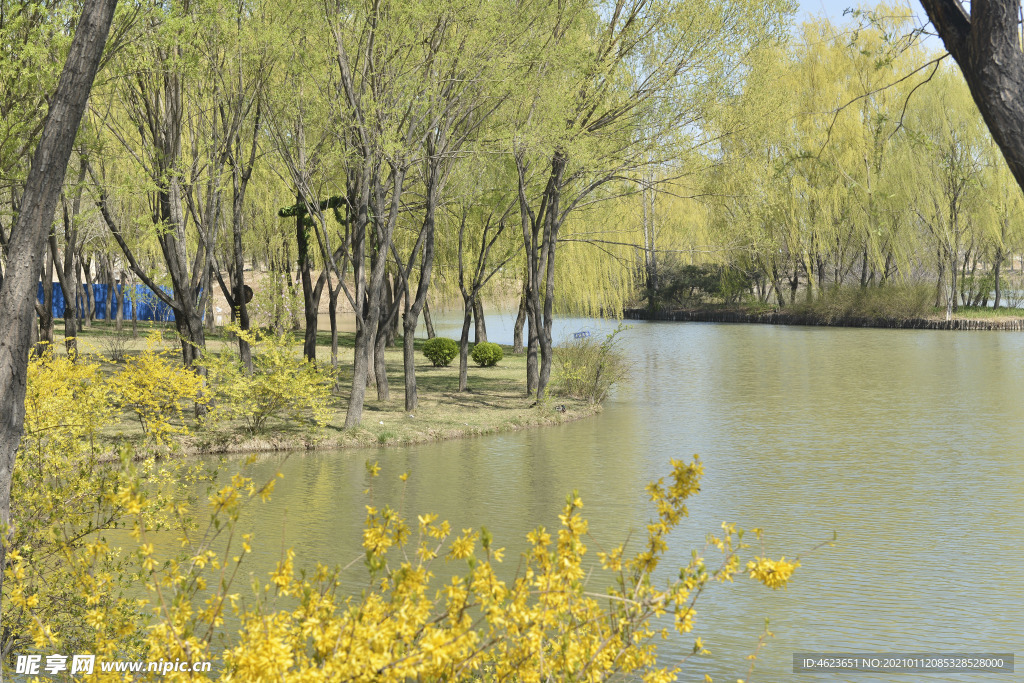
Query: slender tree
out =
(28, 239)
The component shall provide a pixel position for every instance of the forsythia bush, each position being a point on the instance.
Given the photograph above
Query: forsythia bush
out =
(62, 578)
(281, 385)
(545, 624)
(66, 581)
(155, 386)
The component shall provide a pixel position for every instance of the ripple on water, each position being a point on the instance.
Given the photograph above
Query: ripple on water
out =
(905, 443)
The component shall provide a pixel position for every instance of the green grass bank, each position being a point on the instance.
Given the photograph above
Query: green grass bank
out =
(496, 400)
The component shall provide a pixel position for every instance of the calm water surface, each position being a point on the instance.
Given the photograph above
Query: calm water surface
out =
(907, 444)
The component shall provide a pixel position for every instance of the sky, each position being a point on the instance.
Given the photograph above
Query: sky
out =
(834, 8)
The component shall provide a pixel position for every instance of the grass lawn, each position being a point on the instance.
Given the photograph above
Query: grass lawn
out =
(496, 400)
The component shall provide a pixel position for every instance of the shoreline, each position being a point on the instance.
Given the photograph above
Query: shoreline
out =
(783, 318)
(234, 443)
(495, 403)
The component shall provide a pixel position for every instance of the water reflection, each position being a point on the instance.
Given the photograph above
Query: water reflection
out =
(905, 443)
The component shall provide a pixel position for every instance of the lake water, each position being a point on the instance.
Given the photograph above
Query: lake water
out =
(909, 445)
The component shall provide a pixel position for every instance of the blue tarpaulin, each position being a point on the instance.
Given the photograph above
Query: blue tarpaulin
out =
(150, 307)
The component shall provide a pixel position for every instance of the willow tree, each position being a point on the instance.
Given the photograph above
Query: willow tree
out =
(887, 75)
(381, 49)
(814, 185)
(161, 80)
(952, 142)
(31, 34)
(611, 86)
(300, 115)
(747, 189)
(240, 55)
(1006, 205)
(463, 78)
(851, 127)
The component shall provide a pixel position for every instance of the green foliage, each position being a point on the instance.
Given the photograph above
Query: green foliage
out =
(587, 369)
(440, 351)
(680, 283)
(486, 354)
(282, 384)
(975, 288)
(33, 43)
(891, 302)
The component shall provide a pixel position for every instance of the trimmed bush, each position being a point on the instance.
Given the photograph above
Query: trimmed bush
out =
(440, 351)
(486, 354)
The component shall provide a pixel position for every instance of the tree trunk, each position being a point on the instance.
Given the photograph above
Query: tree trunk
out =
(996, 267)
(69, 286)
(409, 359)
(517, 329)
(887, 268)
(385, 217)
(135, 311)
(360, 358)
(360, 367)
(28, 239)
(532, 349)
(371, 358)
(240, 297)
(777, 286)
(90, 293)
(309, 305)
(419, 302)
(391, 301)
(380, 368)
(986, 46)
(428, 321)
(552, 224)
(332, 314)
(468, 306)
(209, 319)
(952, 303)
(480, 326)
(119, 314)
(81, 307)
(45, 310)
(108, 280)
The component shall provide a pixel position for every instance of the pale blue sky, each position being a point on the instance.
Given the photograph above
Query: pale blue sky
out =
(834, 8)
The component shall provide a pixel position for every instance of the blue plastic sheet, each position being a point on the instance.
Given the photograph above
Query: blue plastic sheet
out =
(150, 307)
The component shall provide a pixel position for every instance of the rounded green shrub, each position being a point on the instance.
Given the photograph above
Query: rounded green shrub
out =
(440, 351)
(486, 354)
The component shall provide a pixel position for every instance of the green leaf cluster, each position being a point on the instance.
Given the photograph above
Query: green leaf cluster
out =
(486, 354)
(440, 351)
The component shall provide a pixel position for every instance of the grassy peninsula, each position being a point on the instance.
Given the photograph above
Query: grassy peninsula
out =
(495, 402)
